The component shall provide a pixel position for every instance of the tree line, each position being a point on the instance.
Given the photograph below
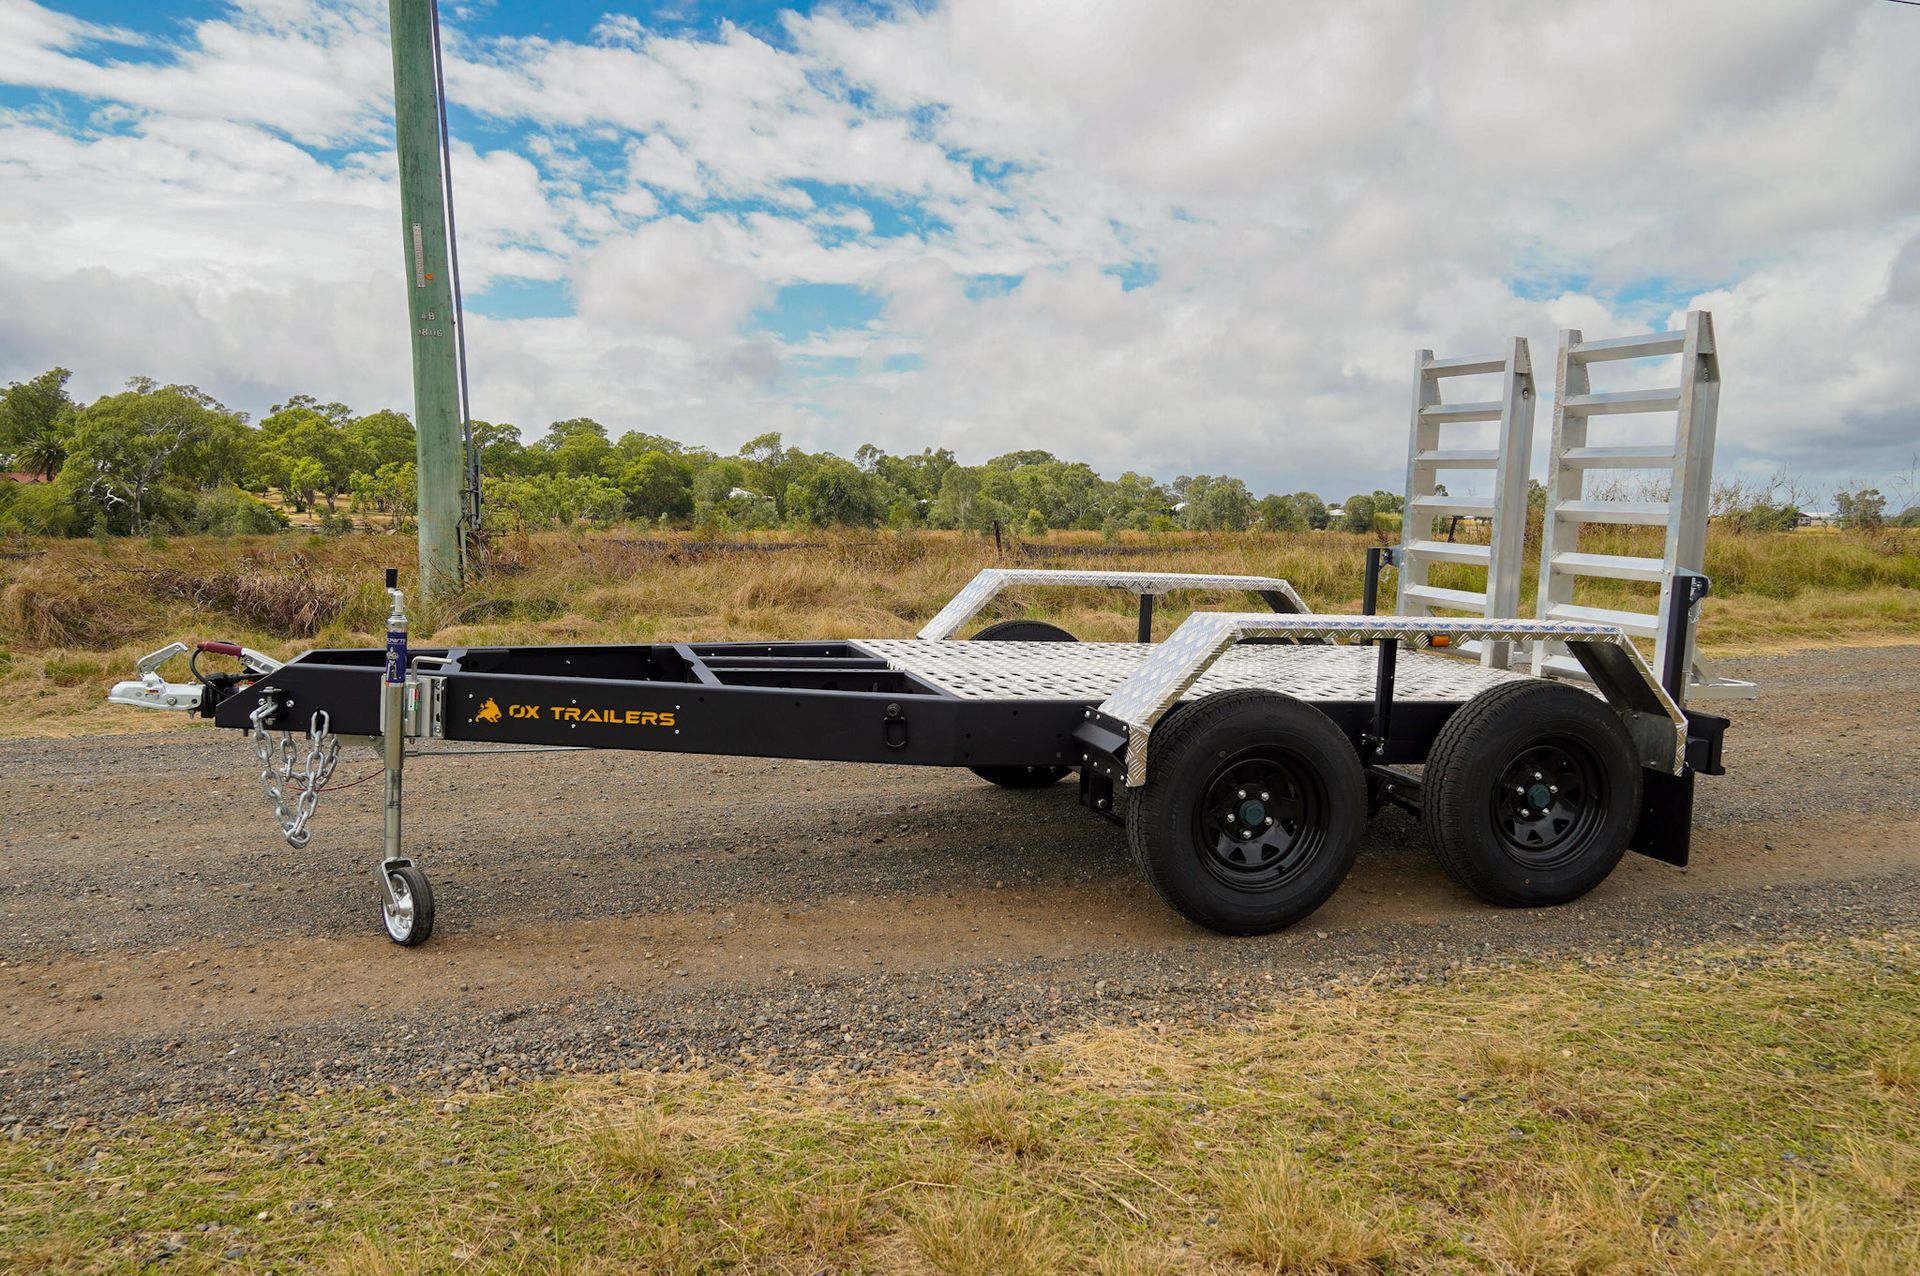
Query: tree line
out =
(170, 458)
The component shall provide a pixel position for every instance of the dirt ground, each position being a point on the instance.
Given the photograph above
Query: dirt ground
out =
(161, 947)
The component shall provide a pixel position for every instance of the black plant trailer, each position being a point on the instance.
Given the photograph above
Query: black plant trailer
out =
(1243, 754)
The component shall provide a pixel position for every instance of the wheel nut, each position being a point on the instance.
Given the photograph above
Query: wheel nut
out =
(1538, 776)
(1265, 796)
(1525, 814)
(1269, 821)
(1519, 788)
(1239, 792)
(1553, 788)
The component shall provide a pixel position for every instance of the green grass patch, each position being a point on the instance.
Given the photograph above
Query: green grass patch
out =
(1725, 1110)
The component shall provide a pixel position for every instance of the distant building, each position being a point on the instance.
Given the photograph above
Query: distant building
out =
(1817, 518)
(22, 476)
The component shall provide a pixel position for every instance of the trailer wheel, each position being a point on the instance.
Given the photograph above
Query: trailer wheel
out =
(409, 920)
(1251, 813)
(1531, 793)
(1022, 777)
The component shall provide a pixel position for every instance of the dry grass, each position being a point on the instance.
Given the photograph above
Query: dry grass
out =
(642, 1150)
(84, 600)
(1275, 1213)
(993, 1116)
(1900, 1070)
(1693, 1112)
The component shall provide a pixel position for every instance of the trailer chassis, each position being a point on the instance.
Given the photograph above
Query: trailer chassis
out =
(1341, 706)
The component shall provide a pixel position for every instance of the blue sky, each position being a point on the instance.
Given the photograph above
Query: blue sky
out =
(1158, 237)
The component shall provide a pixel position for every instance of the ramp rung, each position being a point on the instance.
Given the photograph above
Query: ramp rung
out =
(1460, 458)
(1644, 346)
(1612, 566)
(1648, 512)
(1449, 552)
(1443, 412)
(1465, 506)
(1464, 367)
(1435, 596)
(1658, 400)
(1617, 458)
(1637, 623)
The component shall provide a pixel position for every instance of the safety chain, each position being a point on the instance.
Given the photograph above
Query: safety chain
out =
(277, 774)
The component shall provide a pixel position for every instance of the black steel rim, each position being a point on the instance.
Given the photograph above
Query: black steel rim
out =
(1549, 804)
(1262, 819)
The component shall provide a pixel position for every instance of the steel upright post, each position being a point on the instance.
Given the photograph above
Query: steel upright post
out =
(436, 393)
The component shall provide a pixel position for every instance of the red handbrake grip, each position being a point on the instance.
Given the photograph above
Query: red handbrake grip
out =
(218, 648)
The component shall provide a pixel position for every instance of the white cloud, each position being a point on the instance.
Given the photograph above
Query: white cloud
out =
(1320, 188)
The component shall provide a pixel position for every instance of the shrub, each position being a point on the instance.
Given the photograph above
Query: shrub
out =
(35, 509)
(228, 511)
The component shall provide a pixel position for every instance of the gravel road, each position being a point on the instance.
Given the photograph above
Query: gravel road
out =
(161, 948)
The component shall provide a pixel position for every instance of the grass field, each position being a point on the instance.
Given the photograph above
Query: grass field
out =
(74, 615)
(1698, 1111)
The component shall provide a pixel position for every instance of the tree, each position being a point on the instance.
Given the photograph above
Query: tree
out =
(381, 438)
(1357, 515)
(721, 495)
(36, 417)
(501, 452)
(1026, 456)
(1312, 509)
(305, 477)
(963, 503)
(304, 428)
(123, 444)
(578, 447)
(393, 489)
(1863, 509)
(835, 493)
(771, 466)
(657, 486)
(1216, 503)
(1281, 514)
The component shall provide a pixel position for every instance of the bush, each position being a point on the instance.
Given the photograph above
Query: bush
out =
(35, 509)
(1763, 516)
(228, 511)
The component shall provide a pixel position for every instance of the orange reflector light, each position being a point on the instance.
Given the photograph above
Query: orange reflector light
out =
(1442, 640)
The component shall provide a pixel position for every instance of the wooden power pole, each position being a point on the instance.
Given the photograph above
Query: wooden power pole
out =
(437, 412)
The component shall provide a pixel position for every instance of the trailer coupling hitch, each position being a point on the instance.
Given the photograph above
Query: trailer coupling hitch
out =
(150, 691)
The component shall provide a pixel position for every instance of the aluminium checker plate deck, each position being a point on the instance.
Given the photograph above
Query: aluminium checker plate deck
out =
(1094, 670)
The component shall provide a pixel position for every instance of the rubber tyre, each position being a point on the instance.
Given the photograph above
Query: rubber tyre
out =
(413, 885)
(1197, 747)
(1462, 791)
(1022, 777)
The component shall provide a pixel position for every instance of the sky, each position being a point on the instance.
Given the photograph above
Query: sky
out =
(1175, 238)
